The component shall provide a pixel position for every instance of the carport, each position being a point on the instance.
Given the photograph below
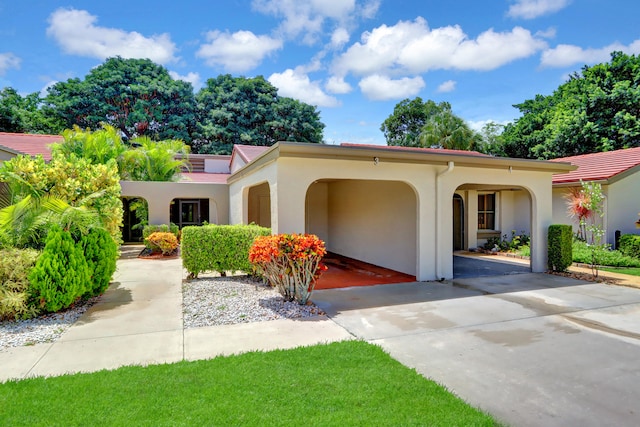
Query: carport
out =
(388, 206)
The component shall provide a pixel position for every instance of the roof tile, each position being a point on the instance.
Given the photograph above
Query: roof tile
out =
(598, 166)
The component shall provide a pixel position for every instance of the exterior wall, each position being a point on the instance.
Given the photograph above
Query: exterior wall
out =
(216, 165)
(239, 195)
(317, 211)
(160, 194)
(623, 206)
(515, 212)
(560, 215)
(259, 205)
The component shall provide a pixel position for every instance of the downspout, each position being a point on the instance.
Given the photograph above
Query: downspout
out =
(440, 174)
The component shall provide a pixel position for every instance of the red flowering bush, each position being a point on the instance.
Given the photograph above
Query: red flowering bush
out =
(290, 262)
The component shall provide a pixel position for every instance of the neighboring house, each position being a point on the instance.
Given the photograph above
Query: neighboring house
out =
(619, 174)
(402, 208)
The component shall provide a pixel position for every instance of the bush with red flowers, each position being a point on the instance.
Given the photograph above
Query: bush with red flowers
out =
(291, 263)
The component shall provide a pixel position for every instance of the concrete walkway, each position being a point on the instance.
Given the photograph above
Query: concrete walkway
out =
(138, 321)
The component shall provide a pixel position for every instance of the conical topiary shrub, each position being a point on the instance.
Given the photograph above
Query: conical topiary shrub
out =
(101, 253)
(61, 274)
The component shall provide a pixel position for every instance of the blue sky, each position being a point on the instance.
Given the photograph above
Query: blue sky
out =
(354, 59)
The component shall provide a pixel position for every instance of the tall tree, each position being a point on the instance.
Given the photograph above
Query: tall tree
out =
(446, 130)
(404, 125)
(238, 110)
(135, 96)
(596, 110)
(24, 114)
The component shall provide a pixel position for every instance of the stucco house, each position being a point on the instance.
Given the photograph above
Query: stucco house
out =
(619, 174)
(407, 209)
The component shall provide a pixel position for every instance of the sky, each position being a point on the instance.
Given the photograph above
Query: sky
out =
(353, 59)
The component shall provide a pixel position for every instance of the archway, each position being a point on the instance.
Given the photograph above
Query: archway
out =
(373, 221)
(259, 205)
(135, 217)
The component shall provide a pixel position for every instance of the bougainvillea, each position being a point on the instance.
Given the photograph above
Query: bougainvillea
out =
(291, 263)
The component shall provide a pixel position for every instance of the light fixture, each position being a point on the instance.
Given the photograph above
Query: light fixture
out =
(376, 161)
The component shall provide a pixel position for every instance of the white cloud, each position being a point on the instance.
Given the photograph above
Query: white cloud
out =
(338, 85)
(76, 33)
(191, 77)
(382, 88)
(240, 51)
(8, 61)
(565, 55)
(448, 86)
(339, 38)
(412, 47)
(294, 84)
(306, 19)
(529, 9)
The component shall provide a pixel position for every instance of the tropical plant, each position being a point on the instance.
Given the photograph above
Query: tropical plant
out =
(446, 130)
(154, 161)
(15, 265)
(291, 263)
(166, 243)
(98, 147)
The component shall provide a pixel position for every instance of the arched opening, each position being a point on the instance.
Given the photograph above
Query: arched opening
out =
(489, 220)
(373, 221)
(135, 217)
(259, 205)
(185, 212)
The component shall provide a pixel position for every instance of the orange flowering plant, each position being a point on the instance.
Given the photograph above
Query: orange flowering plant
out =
(291, 263)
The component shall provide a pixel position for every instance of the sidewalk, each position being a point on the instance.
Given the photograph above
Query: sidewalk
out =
(138, 321)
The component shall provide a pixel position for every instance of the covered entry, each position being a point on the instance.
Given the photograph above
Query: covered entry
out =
(373, 221)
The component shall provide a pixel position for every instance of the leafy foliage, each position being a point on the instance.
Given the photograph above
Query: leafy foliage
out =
(135, 96)
(154, 161)
(149, 229)
(290, 262)
(23, 114)
(630, 245)
(98, 147)
(560, 254)
(15, 265)
(61, 274)
(238, 110)
(404, 126)
(596, 110)
(101, 254)
(162, 242)
(446, 130)
(218, 248)
(583, 253)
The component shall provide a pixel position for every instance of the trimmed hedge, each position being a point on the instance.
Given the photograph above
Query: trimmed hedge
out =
(218, 248)
(560, 241)
(629, 245)
(101, 253)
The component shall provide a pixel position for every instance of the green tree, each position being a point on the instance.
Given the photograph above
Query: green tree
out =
(154, 161)
(97, 147)
(596, 110)
(136, 96)
(24, 114)
(491, 141)
(405, 124)
(446, 130)
(239, 110)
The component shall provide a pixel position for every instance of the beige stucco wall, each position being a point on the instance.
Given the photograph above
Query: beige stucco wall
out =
(623, 205)
(317, 211)
(160, 194)
(259, 207)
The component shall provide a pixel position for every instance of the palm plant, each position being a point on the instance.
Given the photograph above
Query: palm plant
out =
(154, 161)
(578, 207)
(446, 130)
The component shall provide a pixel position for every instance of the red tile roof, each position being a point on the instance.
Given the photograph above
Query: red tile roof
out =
(204, 177)
(249, 152)
(417, 149)
(31, 144)
(598, 166)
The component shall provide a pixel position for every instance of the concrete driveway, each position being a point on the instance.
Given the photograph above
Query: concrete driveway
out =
(531, 349)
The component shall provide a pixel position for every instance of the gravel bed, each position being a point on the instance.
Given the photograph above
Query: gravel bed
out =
(231, 300)
(43, 329)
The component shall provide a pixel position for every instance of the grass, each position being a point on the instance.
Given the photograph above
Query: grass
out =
(629, 271)
(347, 383)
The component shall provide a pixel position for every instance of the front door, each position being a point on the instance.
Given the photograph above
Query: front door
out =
(458, 223)
(189, 213)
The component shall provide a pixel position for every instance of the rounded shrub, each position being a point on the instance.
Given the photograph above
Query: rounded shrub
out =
(101, 253)
(61, 274)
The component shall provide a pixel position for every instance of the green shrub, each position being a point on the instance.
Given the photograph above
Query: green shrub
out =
(162, 242)
(219, 248)
(630, 245)
(560, 254)
(61, 274)
(149, 229)
(101, 253)
(582, 253)
(15, 265)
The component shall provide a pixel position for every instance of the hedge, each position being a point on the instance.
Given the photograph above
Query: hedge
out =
(218, 248)
(560, 241)
(629, 245)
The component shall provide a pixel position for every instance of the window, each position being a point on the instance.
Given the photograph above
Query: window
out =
(486, 211)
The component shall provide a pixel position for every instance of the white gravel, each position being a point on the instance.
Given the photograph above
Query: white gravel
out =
(206, 302)
(231, 300)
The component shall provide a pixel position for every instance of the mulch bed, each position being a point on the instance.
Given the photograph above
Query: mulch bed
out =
(147, 253)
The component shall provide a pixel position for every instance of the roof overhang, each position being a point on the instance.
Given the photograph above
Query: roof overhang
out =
(383, 154)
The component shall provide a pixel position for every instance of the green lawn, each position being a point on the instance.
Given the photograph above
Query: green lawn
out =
(345, 384)
(629, 271)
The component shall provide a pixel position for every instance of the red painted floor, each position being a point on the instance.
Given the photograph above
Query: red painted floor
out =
(345, 272)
